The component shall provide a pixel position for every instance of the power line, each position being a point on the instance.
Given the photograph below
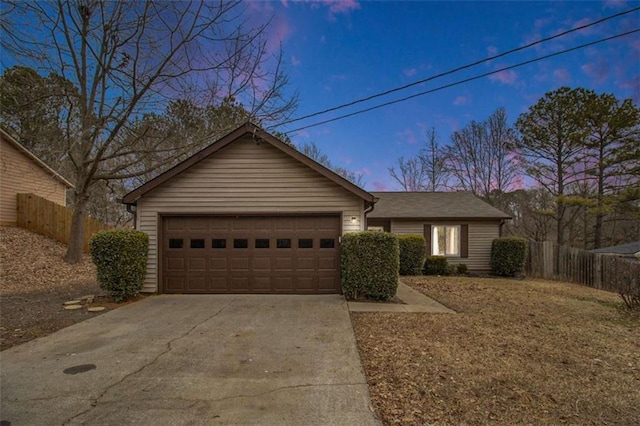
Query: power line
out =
(466, 80)
(445, 73)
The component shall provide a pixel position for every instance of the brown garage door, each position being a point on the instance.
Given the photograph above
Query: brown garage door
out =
(250, 254)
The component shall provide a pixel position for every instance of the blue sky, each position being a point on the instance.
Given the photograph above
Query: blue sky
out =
(339, 51)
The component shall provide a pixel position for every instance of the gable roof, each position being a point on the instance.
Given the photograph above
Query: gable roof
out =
(433, 205)
(7, 137)
(259, 135)
(630, 248)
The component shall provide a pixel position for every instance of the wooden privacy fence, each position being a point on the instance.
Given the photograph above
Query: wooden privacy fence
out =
(602, 271)
(53, 220)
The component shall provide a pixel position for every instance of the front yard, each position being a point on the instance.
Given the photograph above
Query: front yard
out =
(517, 352)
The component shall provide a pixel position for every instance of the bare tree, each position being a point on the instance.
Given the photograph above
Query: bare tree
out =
(311, 150)
(434, 163)
(427, 171)
(127, 59)
(410, 174)
(481, 157)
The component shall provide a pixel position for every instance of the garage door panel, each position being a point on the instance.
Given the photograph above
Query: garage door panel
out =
(306, 263)
(174, 264)
(197, 264)
(175, 283)
(262, 284)
(240, 284)
(217, 264)
(262, 264)
(240, 264)
(251, 254)
(327, 263)
(197, 283)
(283, 284)
(219, 284)
(283, 264)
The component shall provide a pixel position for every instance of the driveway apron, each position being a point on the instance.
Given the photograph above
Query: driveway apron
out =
(194, 359)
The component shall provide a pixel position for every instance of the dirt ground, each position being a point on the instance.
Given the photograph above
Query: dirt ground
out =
(517, 352)
(34, 284)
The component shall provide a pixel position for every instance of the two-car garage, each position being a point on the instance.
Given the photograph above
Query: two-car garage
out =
(247, 214)
(250, 254)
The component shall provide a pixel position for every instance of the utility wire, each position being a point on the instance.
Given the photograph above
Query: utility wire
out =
(442, 74)
(466, 80)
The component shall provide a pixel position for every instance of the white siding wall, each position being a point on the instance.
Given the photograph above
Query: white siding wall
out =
(481, 234)
(244, 178)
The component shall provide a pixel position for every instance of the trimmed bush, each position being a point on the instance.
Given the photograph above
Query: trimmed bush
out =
(436, 265)
(412, 251)
(120, 257)
(508, 255)
(462, 268)
(370, 264)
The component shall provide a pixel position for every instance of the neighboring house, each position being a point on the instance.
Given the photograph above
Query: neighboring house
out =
(21, 171)
(247, 214)
(457, 225)
(631, 250)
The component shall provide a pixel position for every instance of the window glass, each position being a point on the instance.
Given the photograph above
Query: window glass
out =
(283, 243)
(305, 243)
(262, 243)
(327, 243)
(445, 240)
(218, 243)
(197, 243)
(175, 243)
(240, 243)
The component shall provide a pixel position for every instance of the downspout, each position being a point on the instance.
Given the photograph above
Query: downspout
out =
(502, 222)
(134, 212)
(369, 206)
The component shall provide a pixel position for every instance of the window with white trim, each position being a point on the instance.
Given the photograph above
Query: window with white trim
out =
(445, 240)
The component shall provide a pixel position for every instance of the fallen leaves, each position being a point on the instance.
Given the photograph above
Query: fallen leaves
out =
(518, 352)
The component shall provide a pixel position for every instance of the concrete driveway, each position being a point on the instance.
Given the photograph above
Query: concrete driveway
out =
(186, 359)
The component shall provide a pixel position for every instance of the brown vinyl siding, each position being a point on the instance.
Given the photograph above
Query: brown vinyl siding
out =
(244, 178)
(19, 173)
(481, 235)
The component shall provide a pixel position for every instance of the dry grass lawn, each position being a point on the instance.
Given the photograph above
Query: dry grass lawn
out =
(517, 352)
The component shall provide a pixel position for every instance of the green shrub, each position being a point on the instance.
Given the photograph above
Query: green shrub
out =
(462, 268)
(451, 269)
(120, 257)
(370, 264)
(436, 265)
(508, 255)
(412, 251)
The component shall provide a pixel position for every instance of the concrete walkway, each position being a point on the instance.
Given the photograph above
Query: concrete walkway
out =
(414, 301)
(196, 360)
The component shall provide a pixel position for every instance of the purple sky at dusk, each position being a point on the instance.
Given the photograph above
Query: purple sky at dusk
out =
(339, 51)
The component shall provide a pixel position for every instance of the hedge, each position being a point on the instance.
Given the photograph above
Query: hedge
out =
(436, 265)
(120, 257)
(413, 248)
(370, 265)
(508, 256)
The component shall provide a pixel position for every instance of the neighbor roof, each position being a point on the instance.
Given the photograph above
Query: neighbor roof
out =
(259, 135)
(433, 205)
(630, 248)
(6, 136)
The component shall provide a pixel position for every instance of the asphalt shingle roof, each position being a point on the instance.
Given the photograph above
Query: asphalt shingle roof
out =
(433, 205)
(630, 248)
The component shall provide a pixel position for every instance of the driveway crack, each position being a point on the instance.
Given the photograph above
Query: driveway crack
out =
(169, 348)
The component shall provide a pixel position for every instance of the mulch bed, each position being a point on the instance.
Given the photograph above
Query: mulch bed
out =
(34, 284)
(517, 352)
